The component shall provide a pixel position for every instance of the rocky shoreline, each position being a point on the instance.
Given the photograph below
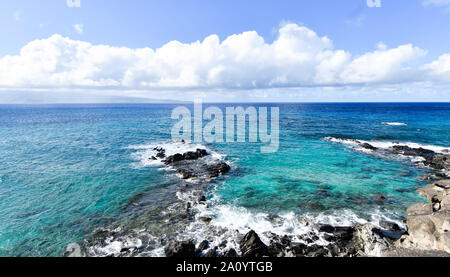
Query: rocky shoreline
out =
(437, 161)
(426, 233)
(426, 236)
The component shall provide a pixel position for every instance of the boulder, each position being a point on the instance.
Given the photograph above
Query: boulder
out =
(201, 153)
(190, 156)
(368, 242)
(212, 253)
(180, 249)
(252, 246)
(231, 253)
(201, 199)
(203, 246)
(217, 169)
(340, 232)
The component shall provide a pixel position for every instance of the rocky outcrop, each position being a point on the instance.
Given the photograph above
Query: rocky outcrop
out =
(439, 162)
(188, 156)
(429, 223)
(193, 164)
(434, 160)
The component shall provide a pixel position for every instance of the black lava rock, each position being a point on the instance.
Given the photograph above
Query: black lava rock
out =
(180, 249)
(252, 246)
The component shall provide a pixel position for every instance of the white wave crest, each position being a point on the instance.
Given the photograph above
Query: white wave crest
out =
(394, 123)
(230, 223)
(381, 144)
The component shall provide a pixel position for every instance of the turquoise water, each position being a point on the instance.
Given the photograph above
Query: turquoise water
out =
(66, 169)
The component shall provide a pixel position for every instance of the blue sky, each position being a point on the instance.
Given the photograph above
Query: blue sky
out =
(415, 72)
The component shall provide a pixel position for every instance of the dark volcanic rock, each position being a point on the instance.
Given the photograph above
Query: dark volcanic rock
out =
(408, 151)
(180, 249)
(212, 253)
(174, 158)
(216, 170)
(201, 199)
(439, 162)
(203, 246)
(299, 249)
(190, 156)
(195, 164)
(278, 245)
(230, 253)
(303, 250)
(368, 146)
(340, 235)
(276, 249)
(252, 246)
(161, 152)
(223, 244)
(185, 174)
(201, 153)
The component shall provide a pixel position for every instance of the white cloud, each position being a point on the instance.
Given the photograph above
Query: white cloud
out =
(78, 28)
(73, 3)
(437, 3)
(383, 65)
(440, 69)
(297, 58)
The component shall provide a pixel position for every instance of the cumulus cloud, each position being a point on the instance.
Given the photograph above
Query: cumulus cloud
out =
(297, 58)
(440, 69)
(78, 28)
(73, 3)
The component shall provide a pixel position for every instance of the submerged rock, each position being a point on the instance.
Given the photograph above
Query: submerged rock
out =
(380, 198)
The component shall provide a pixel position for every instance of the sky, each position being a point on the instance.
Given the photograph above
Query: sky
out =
(226, 51)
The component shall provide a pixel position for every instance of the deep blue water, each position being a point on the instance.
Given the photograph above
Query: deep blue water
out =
(66, 169)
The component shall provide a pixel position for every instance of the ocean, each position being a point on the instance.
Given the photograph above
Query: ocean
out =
(82, 174)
